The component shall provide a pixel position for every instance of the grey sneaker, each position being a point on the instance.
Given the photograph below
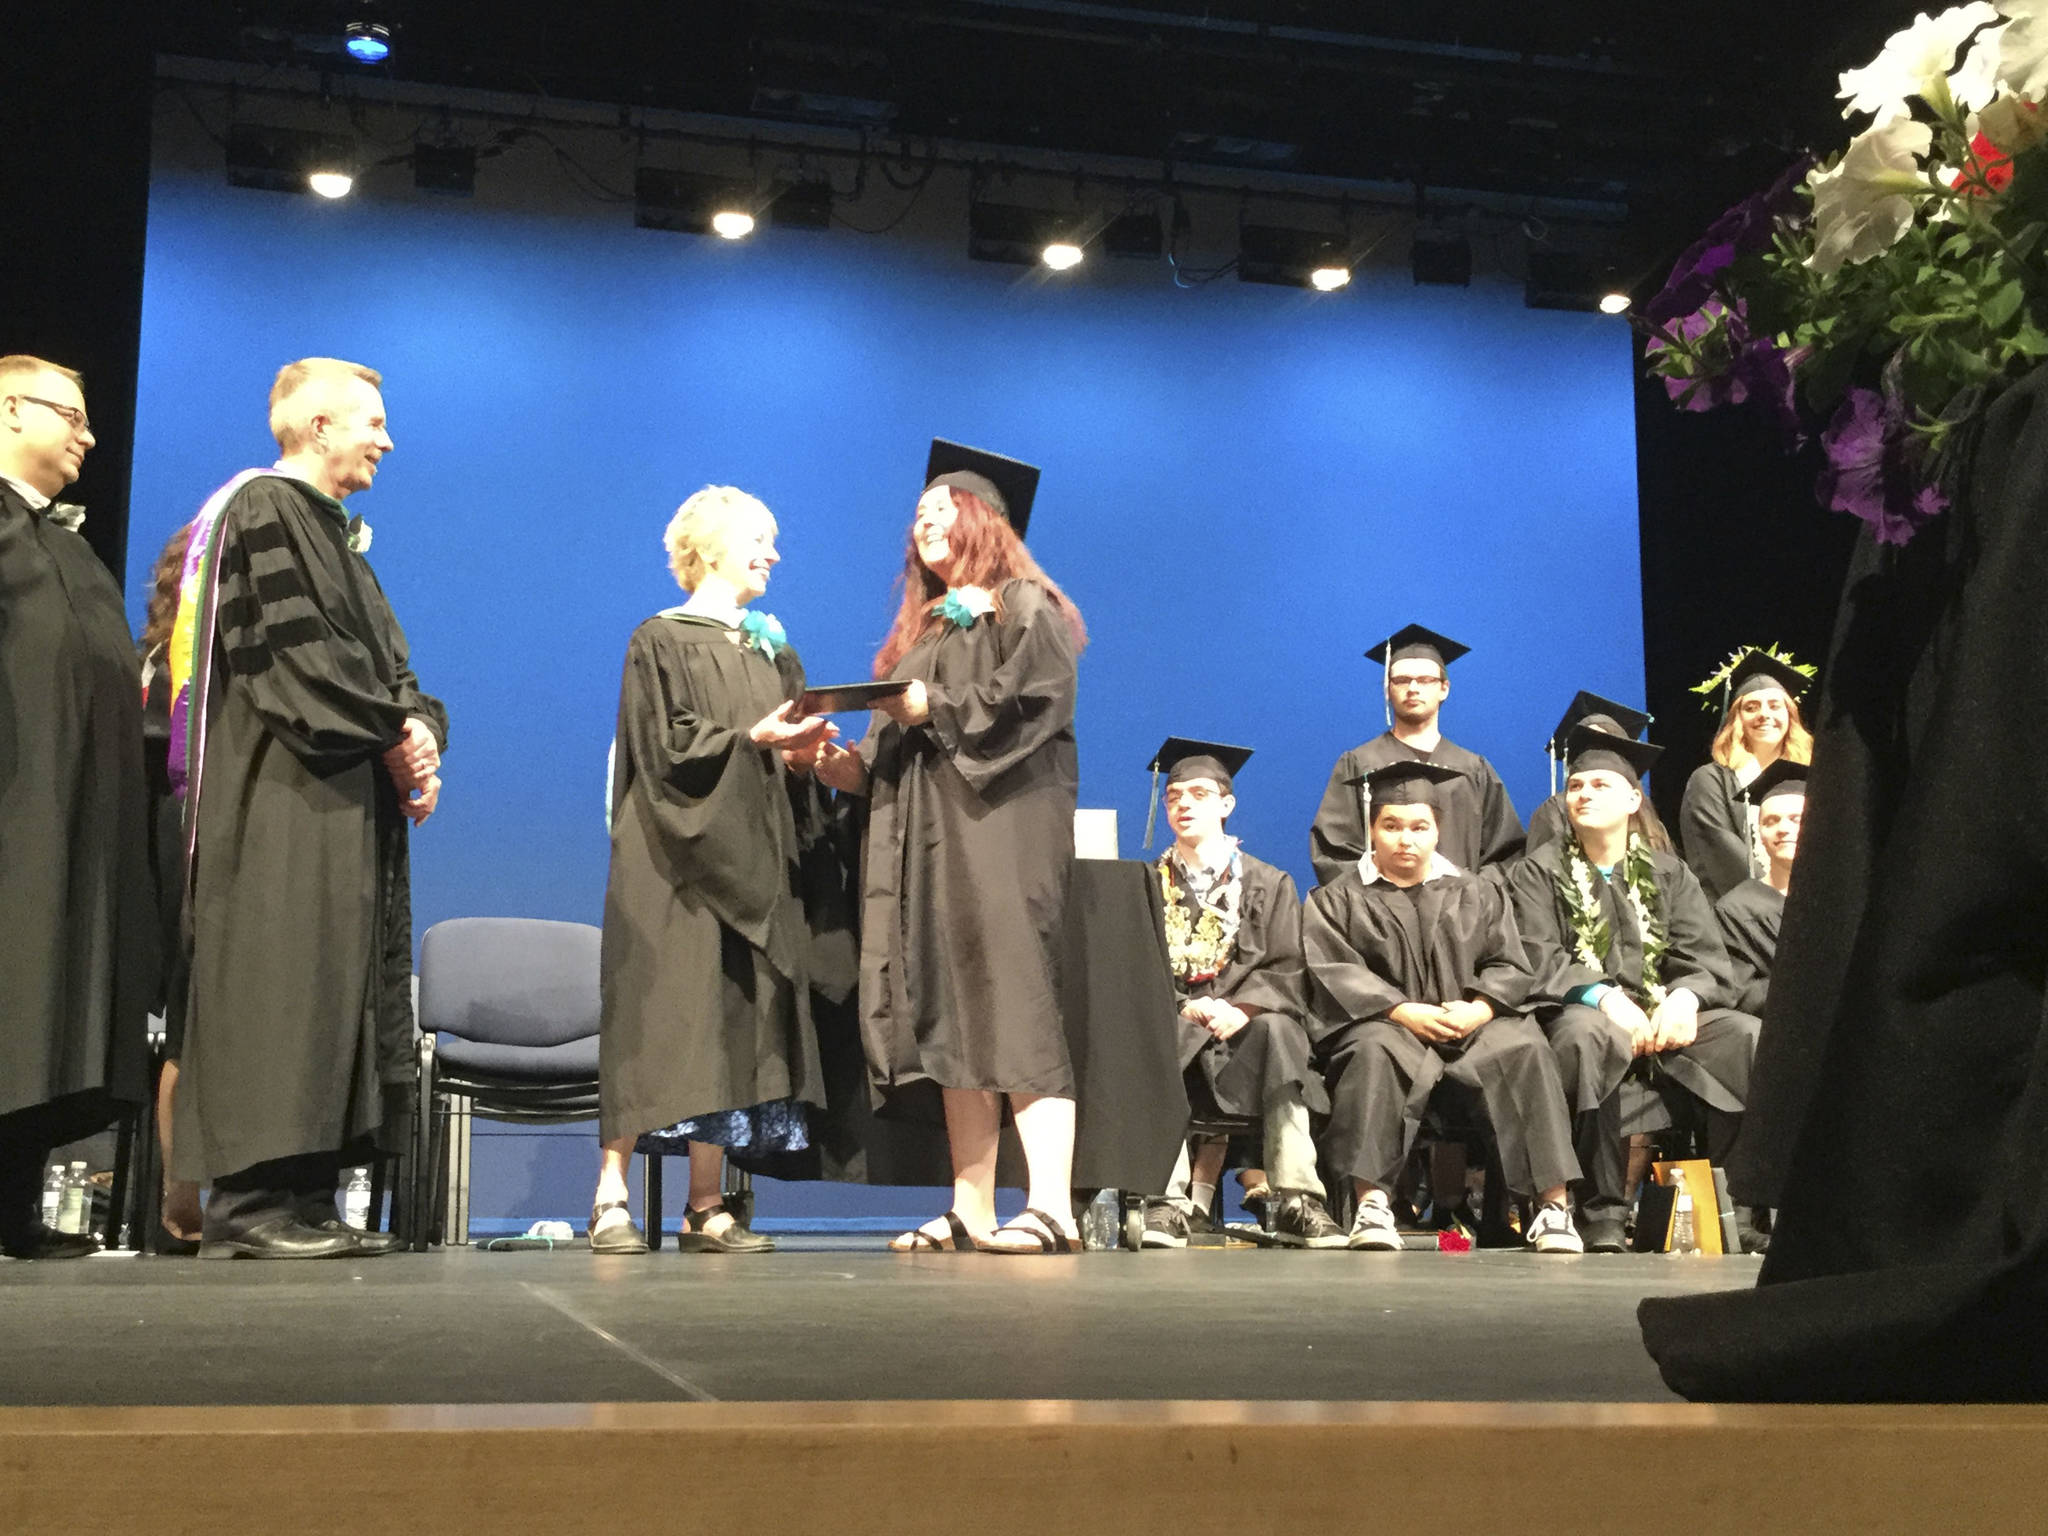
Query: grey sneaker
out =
(1372, 1226)
(1307, 1220)
(1166, 1225)
(1552, 1231)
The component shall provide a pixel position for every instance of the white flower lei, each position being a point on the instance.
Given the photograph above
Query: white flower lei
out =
(1590, 936)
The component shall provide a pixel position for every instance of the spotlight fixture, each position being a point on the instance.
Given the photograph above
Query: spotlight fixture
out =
(1441, 259)
(289, 160)
(1295, 258)
(1024, 237)
(446, 169)
(1567, 280)
(1616, 303)
(802, 205)
(683, 202)
(367, 42)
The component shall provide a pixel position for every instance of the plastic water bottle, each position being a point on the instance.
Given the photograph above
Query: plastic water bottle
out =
(355, 1199)
(1102, 1222)
(1684, 1234)
(74, 1208)
(53, 1195)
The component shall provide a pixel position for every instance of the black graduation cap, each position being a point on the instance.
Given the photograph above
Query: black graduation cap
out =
(1601, 714)
(1784, 777)
(1007, 485)
(1413, 783)
(1413, 641)
(1182, 758)
(1587, 749)
(1760, 669)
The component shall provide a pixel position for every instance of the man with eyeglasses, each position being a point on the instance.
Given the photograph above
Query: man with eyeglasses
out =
(1476, 820)
(78, 945)
(308, 748)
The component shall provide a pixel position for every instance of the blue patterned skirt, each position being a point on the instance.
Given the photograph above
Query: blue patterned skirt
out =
(780, 1125)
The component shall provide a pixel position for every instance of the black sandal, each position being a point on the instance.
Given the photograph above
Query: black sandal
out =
(624, 1238)
(917, 1240)
(1052, 1240)
(734, 1239)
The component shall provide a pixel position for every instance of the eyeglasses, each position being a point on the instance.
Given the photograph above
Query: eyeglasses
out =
(80, 422)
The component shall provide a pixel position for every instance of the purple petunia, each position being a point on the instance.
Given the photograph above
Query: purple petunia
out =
(1873, 470)
(1744, 228)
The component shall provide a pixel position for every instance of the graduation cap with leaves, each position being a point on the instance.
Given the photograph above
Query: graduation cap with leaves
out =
(1601, 714)
(1183, 758)
(1009, 486)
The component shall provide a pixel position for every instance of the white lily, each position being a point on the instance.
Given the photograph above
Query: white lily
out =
(1865, 204)
(1914, 62)
(2023, 48)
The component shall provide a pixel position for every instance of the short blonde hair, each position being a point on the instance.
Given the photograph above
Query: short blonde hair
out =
(291, 417)
(701, 524)
(19, 365)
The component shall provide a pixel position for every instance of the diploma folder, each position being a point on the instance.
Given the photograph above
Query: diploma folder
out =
(843, 698)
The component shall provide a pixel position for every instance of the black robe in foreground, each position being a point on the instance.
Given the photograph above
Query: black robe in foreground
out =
(705, 980)
(1373, 946)
(1265, 978)
(969, 851)
(1900, 1113)
(1750, 916)
(299, 1004)
(1476, 820)
(1714, 830)
(79, 950)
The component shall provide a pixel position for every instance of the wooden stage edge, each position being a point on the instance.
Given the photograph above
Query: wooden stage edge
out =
(995, 1467)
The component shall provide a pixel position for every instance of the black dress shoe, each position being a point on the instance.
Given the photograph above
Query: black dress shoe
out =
(371, 1243)
(279, 1236)
(41, 1242)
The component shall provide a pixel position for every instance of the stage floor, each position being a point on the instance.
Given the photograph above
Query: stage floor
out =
(838, 1318)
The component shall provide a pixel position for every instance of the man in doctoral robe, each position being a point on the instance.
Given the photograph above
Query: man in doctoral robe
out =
(1751, 914)
(1419, 983)
(1478, 824)
(1233, 940)
(309, 747)
(1631, 981)
(79, 951)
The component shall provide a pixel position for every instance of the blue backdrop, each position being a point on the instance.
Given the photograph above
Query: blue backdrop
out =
(1244, 486)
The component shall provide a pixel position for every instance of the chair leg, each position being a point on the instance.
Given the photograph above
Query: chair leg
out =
(426, 1123)
(739, 1193)
(119, 1224)
(652, 1186)
(149, 1166)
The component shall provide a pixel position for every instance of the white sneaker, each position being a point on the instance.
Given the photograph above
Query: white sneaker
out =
(1552, 1231)
(1372, 1226)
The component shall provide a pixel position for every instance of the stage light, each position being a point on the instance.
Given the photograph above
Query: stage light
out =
(1294, 258)
(368, 42)
(688, 204)
(1061, 255)
(1614, 303)
(1024, 237)
(331, 184)
(1567, 280)
(1441, 260)
(288, 159)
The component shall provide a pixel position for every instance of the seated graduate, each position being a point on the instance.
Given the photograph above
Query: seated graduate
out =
(1233, 937)
(705, 1039)
(1550, 822)
(1419, 981)
(1751, 914)
(1631, 976)
(1760, 725)
(1479, 825)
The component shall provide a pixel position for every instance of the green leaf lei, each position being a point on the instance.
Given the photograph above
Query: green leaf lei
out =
(1591, 935)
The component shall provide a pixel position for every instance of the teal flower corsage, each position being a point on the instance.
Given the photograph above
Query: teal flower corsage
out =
(764, 632)
(963, 605)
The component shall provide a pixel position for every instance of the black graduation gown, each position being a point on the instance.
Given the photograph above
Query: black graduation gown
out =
(1265, 978)
(79, 950)
(166, 847)
(1900, 1113)
(1714, 822)
(299, 1004)
(969, 852)
(1548, 823)
(1476, 821)
(1372, 946)
(704, 979)
(1750, 916)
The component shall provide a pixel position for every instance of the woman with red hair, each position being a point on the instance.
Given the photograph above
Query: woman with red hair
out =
(971, 779)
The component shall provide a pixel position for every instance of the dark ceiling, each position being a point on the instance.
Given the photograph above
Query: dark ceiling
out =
(1655, 113)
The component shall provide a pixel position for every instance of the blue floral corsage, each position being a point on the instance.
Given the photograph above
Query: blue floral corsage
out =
(963, 605)
(764, 632)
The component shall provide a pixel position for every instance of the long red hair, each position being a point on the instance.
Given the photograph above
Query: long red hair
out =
(986, 553)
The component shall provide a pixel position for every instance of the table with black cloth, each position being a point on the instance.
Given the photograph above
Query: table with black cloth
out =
(1117, 999)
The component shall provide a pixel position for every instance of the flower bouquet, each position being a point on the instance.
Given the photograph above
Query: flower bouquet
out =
(1886, 294)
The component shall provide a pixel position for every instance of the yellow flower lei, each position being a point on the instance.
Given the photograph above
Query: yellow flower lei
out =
(1199, 947)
